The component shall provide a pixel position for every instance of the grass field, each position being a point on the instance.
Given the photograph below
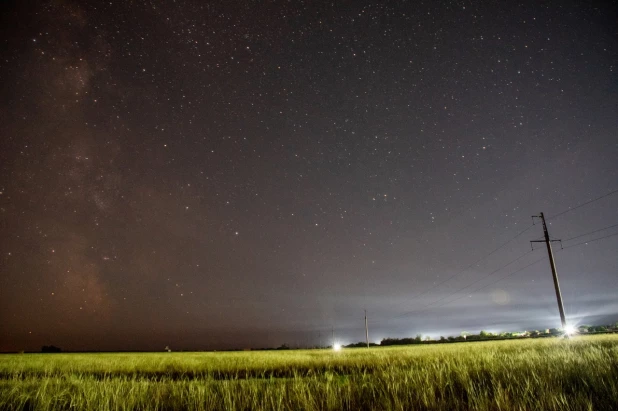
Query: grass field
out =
(528, 374)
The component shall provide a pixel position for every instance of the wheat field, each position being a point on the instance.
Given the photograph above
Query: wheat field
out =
(580, 373)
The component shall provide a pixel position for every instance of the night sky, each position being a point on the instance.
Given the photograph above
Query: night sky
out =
(228, 174)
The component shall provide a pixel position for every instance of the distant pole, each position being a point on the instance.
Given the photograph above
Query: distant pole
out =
(366, 330)
(554, 272)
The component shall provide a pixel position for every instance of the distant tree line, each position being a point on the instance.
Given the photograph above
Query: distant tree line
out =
(419, 339)
(361, 345)
(583, 329)
(485, 335)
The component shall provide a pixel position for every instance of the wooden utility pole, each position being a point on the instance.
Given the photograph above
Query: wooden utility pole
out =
(366, 330)
(552, 263)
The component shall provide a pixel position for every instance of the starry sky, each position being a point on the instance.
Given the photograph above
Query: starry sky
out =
(228, 174)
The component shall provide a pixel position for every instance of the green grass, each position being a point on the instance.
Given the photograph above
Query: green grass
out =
(528, 374)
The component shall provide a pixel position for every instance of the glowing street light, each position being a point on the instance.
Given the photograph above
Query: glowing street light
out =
(570, 330)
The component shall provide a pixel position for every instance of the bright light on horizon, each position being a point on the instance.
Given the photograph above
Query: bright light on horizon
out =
(570, 329)
(337, 347)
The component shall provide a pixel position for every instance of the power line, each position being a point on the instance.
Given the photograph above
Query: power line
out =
(523, 268)
(591, 241)
(500, 247)
(583, 204)
(494, 282)
(474, 263)
(469, 285)
(591, 232)
(547, 239)
(428, 307)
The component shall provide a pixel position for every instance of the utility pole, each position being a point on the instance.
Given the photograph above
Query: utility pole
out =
(552, 263)
(366, 330)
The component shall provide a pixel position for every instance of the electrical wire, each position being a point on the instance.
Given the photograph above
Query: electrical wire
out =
(523, 268)
(591, 232)
(581, 205)
(468, 286)
(504, 244)
(591, 241)
(473, 264)
(494, 282)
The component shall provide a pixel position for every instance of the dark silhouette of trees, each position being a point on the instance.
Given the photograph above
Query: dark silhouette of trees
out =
(361, 344)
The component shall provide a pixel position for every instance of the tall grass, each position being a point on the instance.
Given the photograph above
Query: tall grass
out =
(542, 374)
